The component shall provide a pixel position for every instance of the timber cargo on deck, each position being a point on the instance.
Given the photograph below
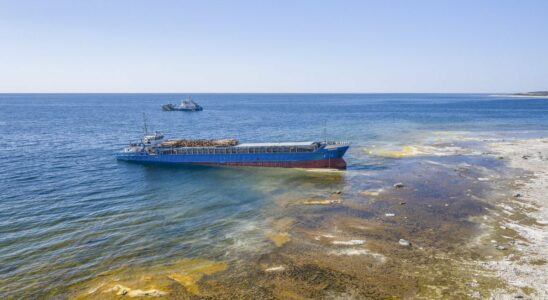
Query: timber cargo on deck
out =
(155, 149)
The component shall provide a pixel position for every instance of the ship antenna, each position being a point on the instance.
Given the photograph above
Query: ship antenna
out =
(145, 123)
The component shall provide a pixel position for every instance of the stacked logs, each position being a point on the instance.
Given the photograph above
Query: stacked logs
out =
(199, 143)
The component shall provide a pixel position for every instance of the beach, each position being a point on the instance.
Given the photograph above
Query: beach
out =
(527, 216)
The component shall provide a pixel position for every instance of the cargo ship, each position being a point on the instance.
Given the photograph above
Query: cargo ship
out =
(153, 148)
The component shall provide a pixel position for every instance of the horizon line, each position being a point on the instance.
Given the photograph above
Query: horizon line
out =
(350, 93)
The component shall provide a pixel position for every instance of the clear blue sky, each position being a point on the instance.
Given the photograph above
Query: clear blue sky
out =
(273, 46)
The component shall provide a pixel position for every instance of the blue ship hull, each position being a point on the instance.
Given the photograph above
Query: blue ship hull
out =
(325, 157)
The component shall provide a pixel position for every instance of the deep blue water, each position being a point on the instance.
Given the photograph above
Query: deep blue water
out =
(69, 210)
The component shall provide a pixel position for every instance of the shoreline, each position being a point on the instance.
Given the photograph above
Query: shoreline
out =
(525, 213)
(518, 96)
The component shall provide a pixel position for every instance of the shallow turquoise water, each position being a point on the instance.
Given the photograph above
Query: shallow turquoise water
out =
(69, 210)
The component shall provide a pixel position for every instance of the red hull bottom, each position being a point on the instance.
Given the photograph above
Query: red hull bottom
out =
(334, 163)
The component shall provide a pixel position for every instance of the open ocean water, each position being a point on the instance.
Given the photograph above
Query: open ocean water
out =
(69, 211)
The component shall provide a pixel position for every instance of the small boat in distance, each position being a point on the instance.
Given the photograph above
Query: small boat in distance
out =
(154, 149)
(186, 105)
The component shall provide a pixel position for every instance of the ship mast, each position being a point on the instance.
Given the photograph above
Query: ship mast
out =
(325, 131)
(145, 123)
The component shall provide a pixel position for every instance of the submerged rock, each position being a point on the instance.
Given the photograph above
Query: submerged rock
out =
(279, 238)
(275, 269)
(373, 193)
(351, 242)
(355, 252)
(322, 202)
(404, 243)
(121, 290)
(153, 281)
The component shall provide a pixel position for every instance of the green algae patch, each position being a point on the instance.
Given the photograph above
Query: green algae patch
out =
(191, 271)
(154, 281)
(404, 151)
(279, 238)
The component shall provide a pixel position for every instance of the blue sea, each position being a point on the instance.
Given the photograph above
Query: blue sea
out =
(70, 212)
